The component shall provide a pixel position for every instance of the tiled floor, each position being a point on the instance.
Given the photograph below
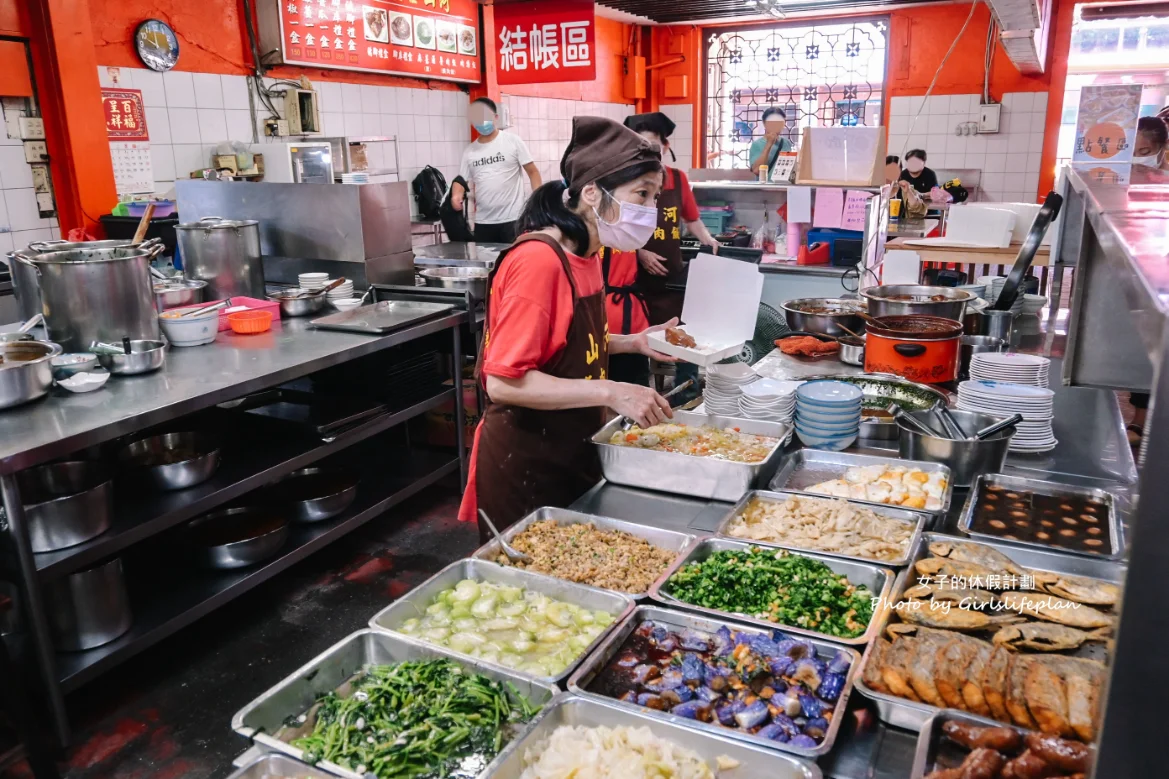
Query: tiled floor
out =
(167, 713)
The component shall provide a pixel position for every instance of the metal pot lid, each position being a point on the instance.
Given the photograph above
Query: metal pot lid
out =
(915, 327)
(217, 223)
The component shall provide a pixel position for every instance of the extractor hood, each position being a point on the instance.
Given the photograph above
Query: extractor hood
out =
(1024, 29)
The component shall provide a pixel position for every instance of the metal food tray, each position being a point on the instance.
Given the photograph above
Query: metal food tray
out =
(414, 603)
(930, 745)
(274, 765)
(261, 719)
(685, 474)
(670, 540)
(382, 317)
(910, 715)
(879, 580)
(1115, 528)
(805, 467)
(920, 519)
(579, 711)
(597, 661)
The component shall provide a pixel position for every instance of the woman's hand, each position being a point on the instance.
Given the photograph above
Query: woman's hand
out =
(653, 263)
(641, 404)
(639, 342)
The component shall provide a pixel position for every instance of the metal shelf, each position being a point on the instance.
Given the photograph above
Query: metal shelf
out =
(243, 469)
(388, 478)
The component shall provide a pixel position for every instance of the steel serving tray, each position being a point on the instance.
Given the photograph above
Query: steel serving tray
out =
(805, 467)
(596, 662)
(919, 519)
(878, 579)
(931, 748)
(274, 765)
(685, 474)
(414, 603)
(1115, 527)
(382, 317)
(580, 711)
(670, 540)
(261, 719)
(907, 714)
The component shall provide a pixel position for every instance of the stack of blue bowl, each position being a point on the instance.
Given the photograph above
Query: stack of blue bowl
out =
(828, 414)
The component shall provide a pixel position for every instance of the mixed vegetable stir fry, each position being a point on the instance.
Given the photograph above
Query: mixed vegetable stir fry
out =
(783, 588)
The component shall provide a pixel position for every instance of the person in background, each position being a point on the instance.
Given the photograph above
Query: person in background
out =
(892, 169)
(917, 174)
(494, 165)
(1152, 137)
(546, 341)
(911, 202)
(765, 150)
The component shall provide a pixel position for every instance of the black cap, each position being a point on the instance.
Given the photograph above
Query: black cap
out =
(655, 122)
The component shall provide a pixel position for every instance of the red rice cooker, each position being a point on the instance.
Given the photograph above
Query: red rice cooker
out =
(920, 348)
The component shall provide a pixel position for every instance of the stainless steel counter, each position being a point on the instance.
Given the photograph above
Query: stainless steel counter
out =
(781, 268)
(193, 378)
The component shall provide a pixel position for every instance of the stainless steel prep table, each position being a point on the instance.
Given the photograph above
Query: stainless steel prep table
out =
(194, 379)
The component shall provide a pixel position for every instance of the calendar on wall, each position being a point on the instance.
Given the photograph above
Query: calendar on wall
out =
(129, 137)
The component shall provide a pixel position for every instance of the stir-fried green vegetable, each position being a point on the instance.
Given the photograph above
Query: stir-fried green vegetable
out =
(783, 588)
(426, 718)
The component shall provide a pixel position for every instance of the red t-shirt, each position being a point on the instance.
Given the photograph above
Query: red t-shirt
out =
(623, 273)
(689, 205)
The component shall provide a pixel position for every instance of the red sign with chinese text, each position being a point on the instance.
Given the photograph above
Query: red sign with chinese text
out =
(436, 39)
(125, 114)
(545, 41)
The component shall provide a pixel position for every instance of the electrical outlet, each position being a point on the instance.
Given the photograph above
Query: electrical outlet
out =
(45, 203)
(32, 128)
(41, 183)
(35, 151)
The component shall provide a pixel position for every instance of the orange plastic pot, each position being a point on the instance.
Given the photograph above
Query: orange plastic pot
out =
(920, 348)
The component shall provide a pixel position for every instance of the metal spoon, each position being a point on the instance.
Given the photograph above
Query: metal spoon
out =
(990, 430)
(628, 423)
(513, 554)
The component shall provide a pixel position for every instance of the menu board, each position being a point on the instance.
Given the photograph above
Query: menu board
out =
(436, 39)
(1106, 124)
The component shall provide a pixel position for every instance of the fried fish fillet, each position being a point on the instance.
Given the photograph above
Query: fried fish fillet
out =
(1046, 697)
(951, 665)
(1015, 696)
(1053, 609)
(872, 673)
(978, 554)
(972, 694)
(895, 669)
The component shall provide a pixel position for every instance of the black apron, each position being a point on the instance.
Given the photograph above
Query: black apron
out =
(665, 303)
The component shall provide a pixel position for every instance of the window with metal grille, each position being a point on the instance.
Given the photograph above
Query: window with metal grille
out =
(820, 74)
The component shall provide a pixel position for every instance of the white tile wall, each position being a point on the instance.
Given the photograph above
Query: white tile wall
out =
(546, 125)
(682, 141)
(20, 219)
(1009, 159)
(188, 114)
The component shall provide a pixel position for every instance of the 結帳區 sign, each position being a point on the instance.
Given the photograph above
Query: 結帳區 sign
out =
(545, 42)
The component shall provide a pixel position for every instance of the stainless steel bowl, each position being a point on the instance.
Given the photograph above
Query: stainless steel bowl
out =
(966, 459)
(315, 494)
(852, 350)
(173, 461)
(26, 371)
(473, 280)
(299, 303)
(144, 357)
(89, 608)
(908, 299)
(178, 292)
(66, 365)
(842, 312)
(237, 537)
(66, 503)
(971, 345)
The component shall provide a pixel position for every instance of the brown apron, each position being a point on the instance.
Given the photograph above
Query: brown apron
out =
(667, 241)
(528, 458)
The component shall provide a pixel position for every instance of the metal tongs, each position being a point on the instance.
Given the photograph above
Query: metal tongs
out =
(628, 423)
(206, 309)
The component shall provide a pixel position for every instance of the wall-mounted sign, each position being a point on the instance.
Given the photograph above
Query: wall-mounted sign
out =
(436, 39)
(125, 114)
(545, 41)
(1106, 125)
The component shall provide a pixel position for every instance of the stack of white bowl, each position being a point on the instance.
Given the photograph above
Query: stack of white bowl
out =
(724, 386)
(1012, 367)
(828, 414)
(343, 291)
(994, 286)
(769, 400)
(1033, 304)
(1036, 404)
(312, 282)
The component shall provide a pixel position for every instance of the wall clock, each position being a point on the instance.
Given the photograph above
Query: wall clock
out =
(157, 45)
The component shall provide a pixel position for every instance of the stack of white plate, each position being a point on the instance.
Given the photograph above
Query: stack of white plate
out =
(1036, 404)
(724, 385)
(312, 282)
(343, 291)
(828, 414)
(1033, 304)
(769, 400)
(1010, 367)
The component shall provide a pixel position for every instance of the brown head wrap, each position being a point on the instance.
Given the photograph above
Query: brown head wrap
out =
(600, 147)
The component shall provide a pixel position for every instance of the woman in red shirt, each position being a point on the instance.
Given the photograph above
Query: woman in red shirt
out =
(547, 342)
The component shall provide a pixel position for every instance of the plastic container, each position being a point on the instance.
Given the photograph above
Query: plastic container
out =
(161, 208)
(250, 322)
(244, 303)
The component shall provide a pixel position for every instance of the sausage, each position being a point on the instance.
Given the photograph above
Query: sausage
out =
(982, 763)
(1028, 766)
(1064, 755)
(945, 773)
(974, 737)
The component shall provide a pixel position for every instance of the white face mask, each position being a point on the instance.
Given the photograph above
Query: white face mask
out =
(1151, 160)
(914, 165)
(632, 229)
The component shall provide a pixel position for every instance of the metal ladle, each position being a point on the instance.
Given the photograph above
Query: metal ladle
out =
(512, 553)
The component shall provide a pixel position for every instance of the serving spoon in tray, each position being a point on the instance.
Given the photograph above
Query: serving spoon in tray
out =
(513, 554)
(628, 423)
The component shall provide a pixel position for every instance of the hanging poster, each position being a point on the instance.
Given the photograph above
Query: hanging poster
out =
(543, 42)
(1106, 125)
(129, 137)
(125, 114)
(436, 39)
